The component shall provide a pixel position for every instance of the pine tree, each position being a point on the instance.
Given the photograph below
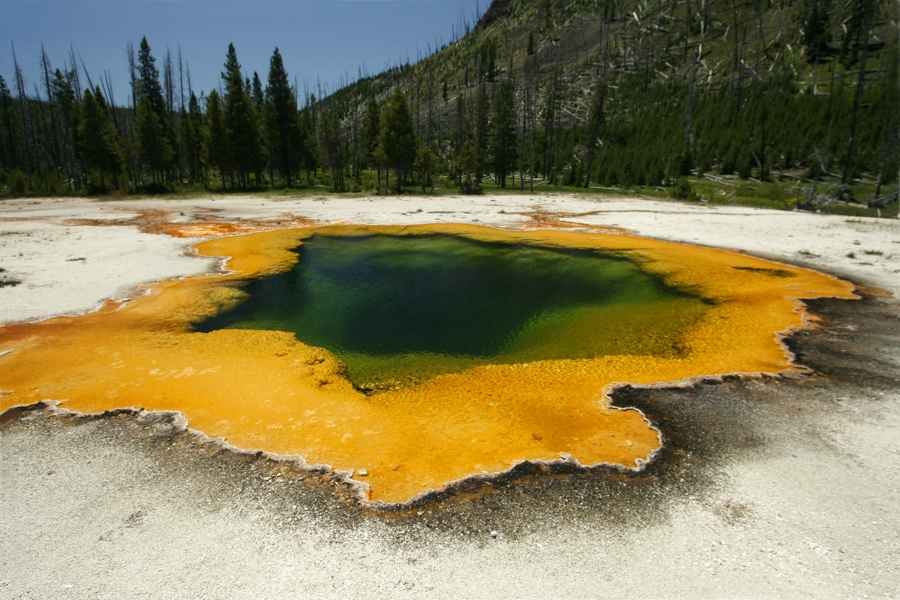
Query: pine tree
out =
(468, 166)
(113, 161)
(426, 157)
(257, 93)
(480, 134)
(281, 120)
(218, 149)
(67, 102)
(458, 137)
(88, 131)
(817, 31)
(356, 146)
(551, 108)
(546, 14)
(856, 49)
(471, 140)
(240, 122)
(155, 150)
(505, 142)
(487, 61)
(299, 139)
(333, 145)
(887, 111)
(308, 157)
(8, 160)
(857, 30)
(594, 129)
(98, 139)
(194, 139)
(49, 130)
(154, 136)
(258, 96)
(397, 138)
(149, 88)
(529, 128)
(372, 129)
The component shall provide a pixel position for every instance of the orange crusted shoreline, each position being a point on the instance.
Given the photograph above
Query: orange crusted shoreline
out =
(265, 390)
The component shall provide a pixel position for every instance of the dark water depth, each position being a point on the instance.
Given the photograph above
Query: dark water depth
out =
(397, 309)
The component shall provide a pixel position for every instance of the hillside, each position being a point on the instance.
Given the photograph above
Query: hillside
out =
(641, 91)
(775, 103)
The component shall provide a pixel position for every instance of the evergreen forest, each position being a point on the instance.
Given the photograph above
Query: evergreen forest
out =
(790, 102)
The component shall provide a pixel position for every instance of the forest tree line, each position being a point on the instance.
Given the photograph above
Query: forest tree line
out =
(506, 117)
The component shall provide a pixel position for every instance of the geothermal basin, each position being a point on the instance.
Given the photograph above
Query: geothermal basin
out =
(414, 358)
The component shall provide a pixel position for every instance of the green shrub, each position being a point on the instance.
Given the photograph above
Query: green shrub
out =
(682, 190)
(745, 166)
(748, 190)
(775, 192)
(150, 188)
(18, 183)
(54, 184)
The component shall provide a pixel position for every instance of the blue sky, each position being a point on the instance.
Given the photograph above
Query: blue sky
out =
(325, 39)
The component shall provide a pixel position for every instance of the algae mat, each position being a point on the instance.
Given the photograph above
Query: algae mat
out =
(267, 390)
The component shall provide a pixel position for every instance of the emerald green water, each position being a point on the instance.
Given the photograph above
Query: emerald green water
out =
(397, 309)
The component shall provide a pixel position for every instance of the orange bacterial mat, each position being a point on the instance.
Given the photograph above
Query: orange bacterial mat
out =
(267, 390)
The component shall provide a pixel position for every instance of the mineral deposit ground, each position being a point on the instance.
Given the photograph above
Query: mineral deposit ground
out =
(778, 481)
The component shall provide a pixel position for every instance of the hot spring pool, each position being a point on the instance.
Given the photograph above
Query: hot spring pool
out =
(399, 309)
(487, 348)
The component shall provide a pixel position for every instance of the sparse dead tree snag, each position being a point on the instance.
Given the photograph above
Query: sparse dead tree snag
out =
(864, 12)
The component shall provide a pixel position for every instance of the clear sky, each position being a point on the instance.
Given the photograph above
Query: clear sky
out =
(325, 39)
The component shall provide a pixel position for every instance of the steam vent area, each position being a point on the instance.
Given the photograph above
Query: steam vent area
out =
(413, 358)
